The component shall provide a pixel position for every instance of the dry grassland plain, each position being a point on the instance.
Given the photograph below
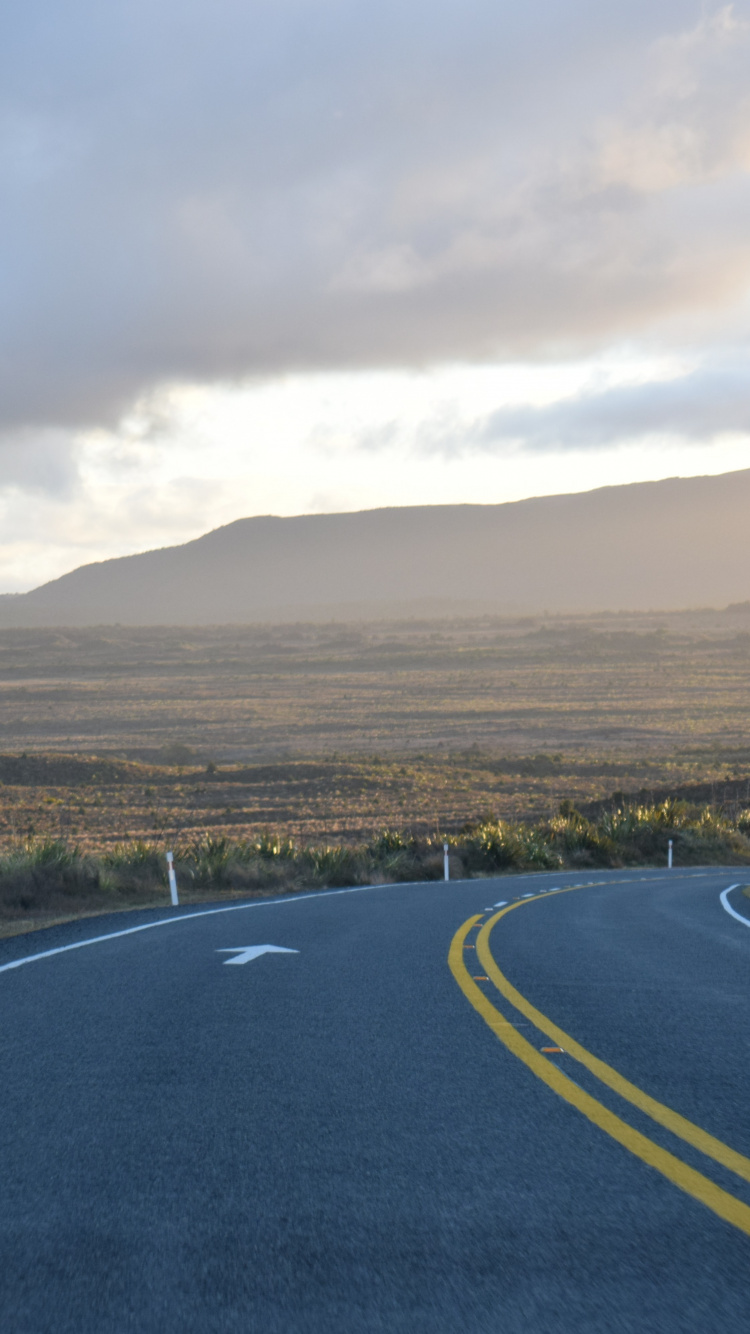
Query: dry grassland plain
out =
(332, 732)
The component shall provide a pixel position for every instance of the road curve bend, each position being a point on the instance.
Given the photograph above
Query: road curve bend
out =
(509, 1105)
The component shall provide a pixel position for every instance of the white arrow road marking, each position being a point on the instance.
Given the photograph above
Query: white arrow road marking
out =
(247, 952)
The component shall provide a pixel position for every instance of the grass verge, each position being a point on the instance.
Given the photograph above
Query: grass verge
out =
(45, 880)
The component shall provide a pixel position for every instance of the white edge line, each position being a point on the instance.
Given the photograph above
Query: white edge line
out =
(240, 907)
(728, 908)
(185, 917)
(211, 912)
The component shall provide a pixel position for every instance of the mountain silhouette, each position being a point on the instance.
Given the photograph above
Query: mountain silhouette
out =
(673, 544)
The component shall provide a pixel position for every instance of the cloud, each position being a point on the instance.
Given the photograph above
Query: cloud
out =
(224, 190)
(41, 462)
(704, 405)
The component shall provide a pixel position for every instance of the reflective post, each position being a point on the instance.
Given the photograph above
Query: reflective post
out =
(172, 880)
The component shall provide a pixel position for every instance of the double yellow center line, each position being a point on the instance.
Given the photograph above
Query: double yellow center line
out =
(724, 1204)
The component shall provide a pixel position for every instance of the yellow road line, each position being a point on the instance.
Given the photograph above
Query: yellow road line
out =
(664, 1116)
(686, 1178)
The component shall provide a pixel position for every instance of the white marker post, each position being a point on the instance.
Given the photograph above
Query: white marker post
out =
(172, 880)
(669, 855)
(446, 867)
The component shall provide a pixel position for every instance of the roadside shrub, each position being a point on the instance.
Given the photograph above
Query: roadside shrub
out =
(46, 875)
(37, 873)
(136, 867)
(620, 825)
(394, 856)
(389, 841)
(208, 860)
(497, 846)
(574, 835)
(337, 866)
(271, 845)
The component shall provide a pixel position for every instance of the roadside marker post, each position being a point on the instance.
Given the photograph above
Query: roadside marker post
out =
(669, 855)
(446, 867)
(172, 880)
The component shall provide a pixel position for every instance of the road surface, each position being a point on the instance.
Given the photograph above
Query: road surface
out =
(360, 1129)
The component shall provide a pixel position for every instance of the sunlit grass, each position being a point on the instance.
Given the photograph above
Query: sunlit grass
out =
(47, 877)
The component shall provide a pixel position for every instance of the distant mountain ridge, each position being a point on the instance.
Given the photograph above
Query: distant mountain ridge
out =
(680, 543)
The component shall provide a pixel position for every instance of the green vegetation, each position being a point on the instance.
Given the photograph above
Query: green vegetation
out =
(504, 735)
(44, 879)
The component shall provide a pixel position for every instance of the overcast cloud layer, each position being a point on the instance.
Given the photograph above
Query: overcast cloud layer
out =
(223, 192)
(216, 189)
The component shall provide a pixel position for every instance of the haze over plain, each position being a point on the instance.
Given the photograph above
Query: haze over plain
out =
(655, 545)
(274, 259)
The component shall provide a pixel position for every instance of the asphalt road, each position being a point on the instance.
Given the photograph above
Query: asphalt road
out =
(346, 1139)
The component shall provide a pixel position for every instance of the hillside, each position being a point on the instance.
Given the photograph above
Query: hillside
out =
(680, 543)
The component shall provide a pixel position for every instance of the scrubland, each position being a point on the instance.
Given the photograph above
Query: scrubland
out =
(281, 757)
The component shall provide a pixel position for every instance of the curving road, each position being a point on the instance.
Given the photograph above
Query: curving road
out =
(359, 1130)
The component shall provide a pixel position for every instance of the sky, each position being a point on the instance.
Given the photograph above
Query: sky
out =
(290, 257)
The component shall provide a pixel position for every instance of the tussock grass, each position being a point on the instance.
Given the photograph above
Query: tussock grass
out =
(45, 877)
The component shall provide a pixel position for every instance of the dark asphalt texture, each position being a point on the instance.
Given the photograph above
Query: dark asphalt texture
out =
(335, 1141)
